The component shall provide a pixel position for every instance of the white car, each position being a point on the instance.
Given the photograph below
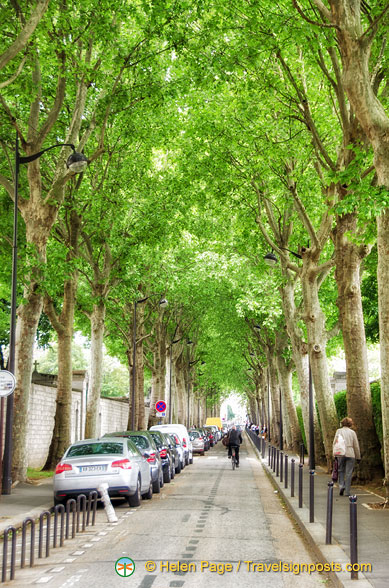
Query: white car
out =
(182, 433)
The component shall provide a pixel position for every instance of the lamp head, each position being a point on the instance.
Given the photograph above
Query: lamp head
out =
(270, 259)
(77, 162)
(163, 303)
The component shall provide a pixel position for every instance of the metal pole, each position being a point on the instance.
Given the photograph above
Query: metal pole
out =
(281, 425)
(311, 427)
(188, 421)
(286, 471)
(330, 503)
(311, 496)
(292, 477)
(170, 383)
(353, 536)
(7, 458)
(301, 485)
(281, 466)
(268, 403)
(133, 370)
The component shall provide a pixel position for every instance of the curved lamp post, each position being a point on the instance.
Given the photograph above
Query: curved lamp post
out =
(163, 303)
(76, 162)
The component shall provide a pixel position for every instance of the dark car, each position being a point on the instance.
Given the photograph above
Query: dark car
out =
(211, 435)
(165, 454)
(204, 435)
(146, 444)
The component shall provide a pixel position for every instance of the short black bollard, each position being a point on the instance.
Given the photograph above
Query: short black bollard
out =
(292, 464)
(92, 499)
(274, 459)
(8, 530)
(32, 542)
(311, 496)
(278, 463)
(286, 471)
(71, 504)
(263, 448)
(44, 514)
(269, 454)
(81, 498)
(353, 536)
(330, 504)
(301, 485)
(281, 466)
(59, 508)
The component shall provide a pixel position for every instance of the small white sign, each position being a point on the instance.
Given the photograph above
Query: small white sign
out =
(7, 383)
(161, 414)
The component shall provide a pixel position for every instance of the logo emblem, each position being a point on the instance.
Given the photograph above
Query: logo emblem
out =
(125, 567)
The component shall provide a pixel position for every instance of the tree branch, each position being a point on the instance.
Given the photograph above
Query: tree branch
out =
(313, 22)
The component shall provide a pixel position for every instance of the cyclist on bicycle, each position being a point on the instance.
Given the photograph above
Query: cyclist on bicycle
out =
(235, 439)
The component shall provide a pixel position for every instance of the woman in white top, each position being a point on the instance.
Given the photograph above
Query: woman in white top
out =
(346, 462)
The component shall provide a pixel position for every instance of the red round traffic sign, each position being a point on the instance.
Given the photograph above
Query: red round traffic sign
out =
(160, 406)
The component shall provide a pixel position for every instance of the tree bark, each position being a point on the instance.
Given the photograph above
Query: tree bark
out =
(94, 391)
(349, 257)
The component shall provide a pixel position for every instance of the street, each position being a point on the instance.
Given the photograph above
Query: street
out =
(216, 523)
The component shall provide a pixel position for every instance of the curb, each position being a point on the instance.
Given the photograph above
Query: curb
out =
(17, 521)
(314, 534)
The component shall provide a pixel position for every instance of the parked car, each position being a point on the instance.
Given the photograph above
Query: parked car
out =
(182, 433)
(197, 442)
(88, 463)
(204, 436)
(176, 450)
(180, 451)
(146, 445)
(165, 454)
(211, 435)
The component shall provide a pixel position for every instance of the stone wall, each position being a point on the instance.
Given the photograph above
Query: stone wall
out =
(113, 416)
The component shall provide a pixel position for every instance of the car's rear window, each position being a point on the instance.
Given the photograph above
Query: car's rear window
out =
(194, 434)
(95, 449)
(140, 441)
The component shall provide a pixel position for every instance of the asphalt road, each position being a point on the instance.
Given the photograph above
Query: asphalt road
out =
(209, 520)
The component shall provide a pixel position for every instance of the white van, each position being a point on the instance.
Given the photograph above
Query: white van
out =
(182, 433)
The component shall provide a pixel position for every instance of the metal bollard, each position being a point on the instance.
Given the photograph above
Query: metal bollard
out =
(301, 485)
(278, 463)
(263, 448)
(274, 459)
(71, 504)
(302, 451)
(92, 499)
(44, 514)
(8, 530)
(353, 536)
(292, 464)
(311, 496)
(59, 508)
(330, 504)
(286, 471)
(81, 498)
(269, 453)
(32, 542)
(281, 466)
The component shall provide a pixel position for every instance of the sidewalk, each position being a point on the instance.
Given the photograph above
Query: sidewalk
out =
(373, 525)
(25, 500)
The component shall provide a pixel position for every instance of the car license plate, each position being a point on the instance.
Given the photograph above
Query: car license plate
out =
(93, 468)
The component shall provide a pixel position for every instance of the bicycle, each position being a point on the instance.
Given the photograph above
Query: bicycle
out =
(234, 463)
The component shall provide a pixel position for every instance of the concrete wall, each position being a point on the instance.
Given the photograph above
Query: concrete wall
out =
(113, 416)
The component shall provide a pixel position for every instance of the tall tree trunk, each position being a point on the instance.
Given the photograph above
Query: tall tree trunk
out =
(359, 406)
(292, 428)
(93, 403)
(317, 343)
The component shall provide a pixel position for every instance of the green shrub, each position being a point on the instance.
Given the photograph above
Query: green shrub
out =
(341, 404)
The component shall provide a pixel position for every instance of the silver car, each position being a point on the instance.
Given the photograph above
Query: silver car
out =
(117, 461)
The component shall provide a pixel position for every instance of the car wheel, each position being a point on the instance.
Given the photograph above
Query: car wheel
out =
(202, 453)
(178, 468)
(183, 464)
(149, 493)
(161, 482)
(191, 460)
(167, 476)
(186, 460)
(134, 500)
(172, 473)
(59, 501)
(156, 487)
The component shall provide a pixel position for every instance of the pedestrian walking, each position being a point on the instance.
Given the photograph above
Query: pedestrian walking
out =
(346, 450)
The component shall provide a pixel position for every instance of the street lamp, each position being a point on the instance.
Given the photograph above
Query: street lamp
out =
(170, 378)
(76, 162)
(270, 259)
(163, 303)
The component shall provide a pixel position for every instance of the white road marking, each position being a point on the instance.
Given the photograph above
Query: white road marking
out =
(56, 570)
(44, 580)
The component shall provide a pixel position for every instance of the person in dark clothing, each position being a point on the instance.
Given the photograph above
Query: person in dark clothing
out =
(235, 439)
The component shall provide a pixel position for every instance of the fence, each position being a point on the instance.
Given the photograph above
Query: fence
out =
(278, 463)
(62, 520)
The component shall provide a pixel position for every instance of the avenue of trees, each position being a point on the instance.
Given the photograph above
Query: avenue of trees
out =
(216, 133)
